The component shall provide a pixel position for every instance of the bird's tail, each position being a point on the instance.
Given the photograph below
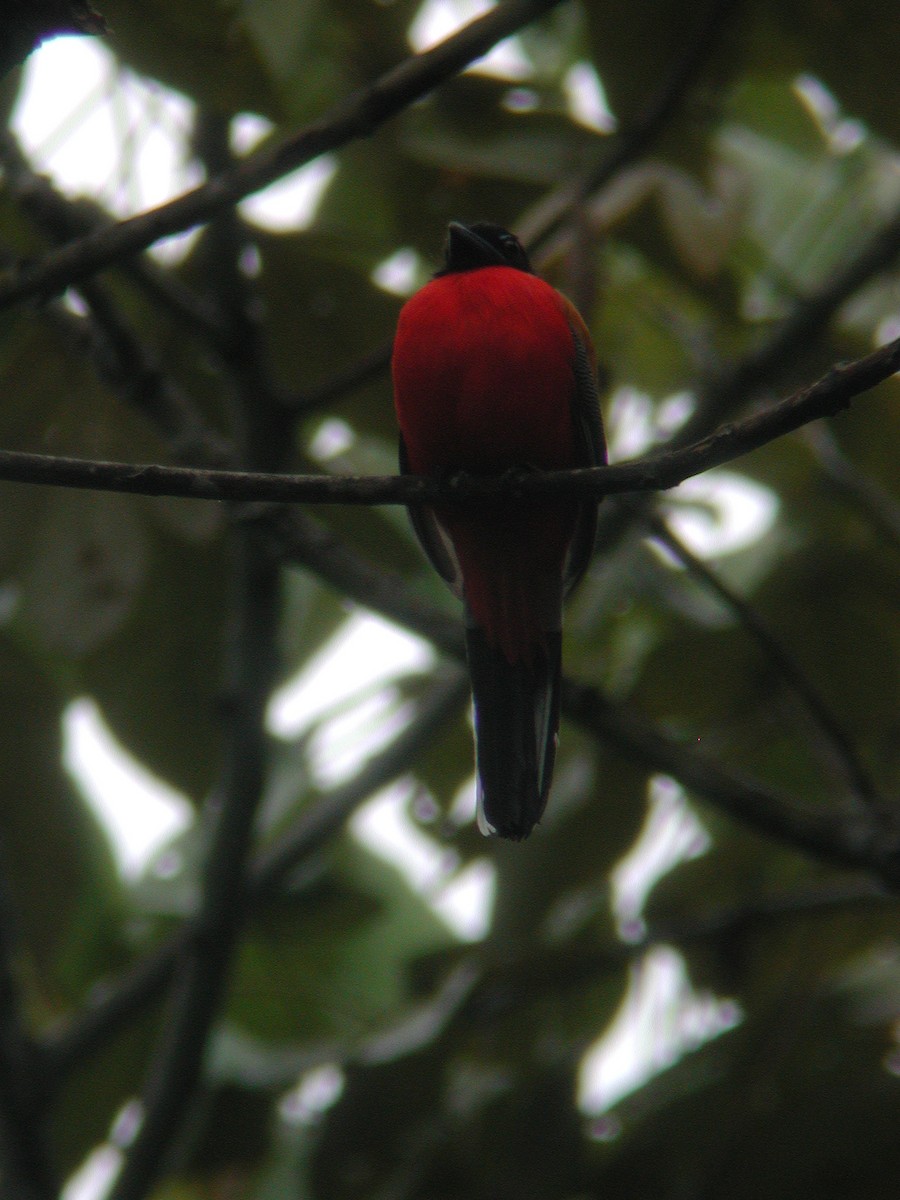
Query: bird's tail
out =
(516, 727)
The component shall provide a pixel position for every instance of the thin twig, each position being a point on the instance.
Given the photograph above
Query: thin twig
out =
(869, 497)
(841, 753)
(538, 227)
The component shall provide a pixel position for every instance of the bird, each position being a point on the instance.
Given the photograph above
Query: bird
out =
(494, 371)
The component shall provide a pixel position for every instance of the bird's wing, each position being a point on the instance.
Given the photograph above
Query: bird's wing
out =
(433, 538)
(590, 444)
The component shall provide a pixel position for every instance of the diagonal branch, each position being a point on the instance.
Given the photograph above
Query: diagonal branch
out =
(847, 837)
(356, 117)
(876, 504)
(829, 395)
(539, 226)
(835, 742)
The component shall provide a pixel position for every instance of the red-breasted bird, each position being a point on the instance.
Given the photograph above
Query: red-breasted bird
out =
(494, 370)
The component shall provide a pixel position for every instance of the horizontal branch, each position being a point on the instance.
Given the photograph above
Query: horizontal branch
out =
(829, 395)
(357, 116)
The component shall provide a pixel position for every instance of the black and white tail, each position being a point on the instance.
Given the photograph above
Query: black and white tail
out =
(516, 728)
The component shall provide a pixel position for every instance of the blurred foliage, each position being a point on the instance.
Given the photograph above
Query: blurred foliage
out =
(460, 1065)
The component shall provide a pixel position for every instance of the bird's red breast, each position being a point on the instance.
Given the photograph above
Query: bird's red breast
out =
(484, 381)
(483, 373)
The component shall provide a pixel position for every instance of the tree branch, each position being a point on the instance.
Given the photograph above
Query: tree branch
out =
(207, 952)
(836, 744)
(356, 117)
(204, 965)
(665, 469)
(503, 981)
(845, 837)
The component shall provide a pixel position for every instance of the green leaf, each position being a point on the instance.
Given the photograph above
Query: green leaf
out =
(331, 962)
(63, 882)
(203, 49)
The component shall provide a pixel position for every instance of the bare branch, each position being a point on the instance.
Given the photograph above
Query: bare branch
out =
(665, 469)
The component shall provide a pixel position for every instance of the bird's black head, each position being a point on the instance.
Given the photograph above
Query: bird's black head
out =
(482, 244)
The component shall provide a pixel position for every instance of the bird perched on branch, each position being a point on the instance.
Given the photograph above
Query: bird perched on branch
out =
(493, 371)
